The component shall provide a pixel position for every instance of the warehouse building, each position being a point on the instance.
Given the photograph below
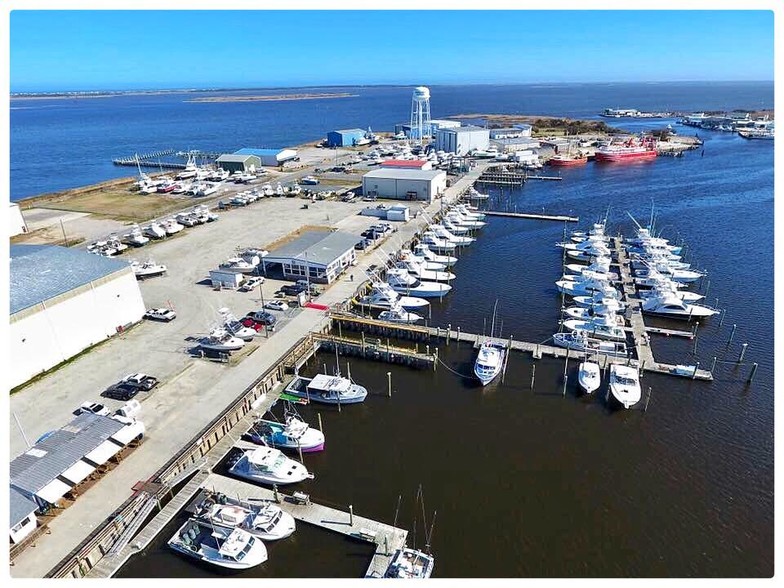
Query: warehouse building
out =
(242, 163)
(345, 137)
(319, 255)
(461, 140)
(270, 157)
(62, 302)
(404, 184)
(510, 133)
(63, 459)
(17, 221)
(407, 164)
(513, 144)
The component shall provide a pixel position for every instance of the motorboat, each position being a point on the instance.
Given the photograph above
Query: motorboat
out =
(420, 260)
(417, 269)
(403, 282)
(279, 191)
(308, 181)
(410, 564)
(327, 389)
(423, 251)
(397, 314)
(463, 220)
(206, 189)
(589, 376)
(671, 306)
(600, 327)
(590, 275)
(609, 308)
(586, 287)
(135, 237)
(436, 243)
(625, 384)
(266, 190)
(474, 194)
(469, 214)
(114, 242)
(147, 269)
(269, 466)
(599, 298)
(454, 228)
(383, 295)
(443, 233)
(588, 256)
(663, 289)
(225, 547)
(683, 276)
(234, 326)
(599, 264)
(171, 226)
(220, 339)
(187, 219)
(154, 230)
(293, 433)
(204, 213)
(489, 361)
(597, 230)
(239, 265)
(579, 341)
(264, 520)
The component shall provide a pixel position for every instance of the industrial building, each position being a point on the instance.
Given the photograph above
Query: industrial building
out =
(433, 127)
(509, 133)
(269, 157)
(404, 184)
(242, 163)
(407, 164)
(62, 460)
(345, 137)
(319, 255)
(461, 140)
(512, 144)
(62, 302)
(16, 221)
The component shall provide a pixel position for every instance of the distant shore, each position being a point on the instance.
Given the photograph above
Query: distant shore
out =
(271, 97)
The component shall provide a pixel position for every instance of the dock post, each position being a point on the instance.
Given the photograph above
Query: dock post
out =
(647, 400)
(694, 348)
(566, 362)
(458, 333)
(363, 343)
(275, 492)
(707, 287)
(732, 334)
(713, 364)
(321, 427)
(448, 332)
(533, 375)
(325, 369)
(389, 384)
(340, 329)
(721, 320)
(348, 369)
(386, 545)
(299, 450)
(753, 371)
(388, 348)
(694, 373)
(742, 352)
(351, 514)
(566, 379)
(435, 362)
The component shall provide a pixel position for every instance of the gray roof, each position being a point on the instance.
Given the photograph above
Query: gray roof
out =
(318, 247)
(349, 131)
(464, 129)
(63, 448)
(405, 174)
(234, 158)
(20, 506)
(41, 272)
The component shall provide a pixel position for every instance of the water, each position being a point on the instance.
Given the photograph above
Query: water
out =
(64, 143)
(530, 483)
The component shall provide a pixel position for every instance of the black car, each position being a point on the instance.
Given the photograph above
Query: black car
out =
(293, 289)
(363, 244)
(121, 391)
(261, 317)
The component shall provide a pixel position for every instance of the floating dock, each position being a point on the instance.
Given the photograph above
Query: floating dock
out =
(534, 216)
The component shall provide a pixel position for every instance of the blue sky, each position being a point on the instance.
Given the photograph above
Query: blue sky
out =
(87, 50)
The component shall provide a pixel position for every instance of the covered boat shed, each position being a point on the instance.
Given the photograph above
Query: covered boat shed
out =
(242, 163)
(269, 157)
(320, 255)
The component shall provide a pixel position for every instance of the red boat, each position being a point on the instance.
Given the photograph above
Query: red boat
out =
(567, 160)
(629, 150)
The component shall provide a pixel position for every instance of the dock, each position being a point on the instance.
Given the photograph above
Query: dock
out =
(534, 216)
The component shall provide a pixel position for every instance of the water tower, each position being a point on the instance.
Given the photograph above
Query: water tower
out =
(420, 115)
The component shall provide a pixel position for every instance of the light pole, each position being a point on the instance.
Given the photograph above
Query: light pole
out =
(261, 295)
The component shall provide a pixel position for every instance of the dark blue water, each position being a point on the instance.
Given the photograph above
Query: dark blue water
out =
(64, 143)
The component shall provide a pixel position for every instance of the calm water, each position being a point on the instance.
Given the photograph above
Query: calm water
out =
(529, 483)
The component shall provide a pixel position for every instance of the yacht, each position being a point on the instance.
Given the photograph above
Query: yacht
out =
(154, 230)
(171, 226)
(625, 384)
(436, 243)
(441, 232)
(423, 251)
(293, 433)
(407, 254)
(327, 389)
(590, 275)
(599, 298)
(455, 229)
(401, 281)
(599, 265)
(148, 269)
(135, 237)
(417, 269)
(669, 290)
(587, 287)
(410, 564)
(679, 275)
(600, 327)
(238, 264)
(269, 466)
(671, 306)
(383, 295)
(225, 547)
(579, 341)
(220, 339)
(589, 376)
(266, 521)
(470, 214)
(463, 220)
(473, 194)
(235, 327)
(397, 314)
(609, 308)
(489, 361)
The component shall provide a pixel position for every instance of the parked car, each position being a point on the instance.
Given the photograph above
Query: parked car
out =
(363, 244)
(251, 324)
(292, 289)
(262, 317)
(92, 407)
(141, 381)
(121, 391)
(276, 305)
(314, 289)
(160, 314)
(251, 283)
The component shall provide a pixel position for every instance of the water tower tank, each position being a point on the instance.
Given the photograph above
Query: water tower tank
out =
(420, 115)
(421, 93)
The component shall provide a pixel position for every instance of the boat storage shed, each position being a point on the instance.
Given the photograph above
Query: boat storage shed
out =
(63, 301)
(269, 157)
(242, 163)
(404, 184)
(461, 140)
(322, 253)
(344, 137)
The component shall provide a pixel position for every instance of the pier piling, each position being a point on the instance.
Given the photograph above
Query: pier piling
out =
(742, 352)
(753, 371)
(351, 514)
(713, 364)
(389, 384)
(647, 400)
(321, 427)
(721, 320)
(533, 376)
(566, 379)
(732, 334)
(696, 369)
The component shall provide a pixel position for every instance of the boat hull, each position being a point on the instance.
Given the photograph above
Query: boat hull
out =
(603, 157)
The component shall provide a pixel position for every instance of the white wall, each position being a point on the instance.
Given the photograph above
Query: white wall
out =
(398, 188)
(60, 330)
(16, 220)
(25, 528)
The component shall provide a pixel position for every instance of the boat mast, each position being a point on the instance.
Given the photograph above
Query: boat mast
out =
(430, 533)
(397, 509)
(492, 327)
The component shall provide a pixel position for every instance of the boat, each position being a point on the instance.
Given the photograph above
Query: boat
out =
(403, 282)
(308, 181)
(469, 214)
(600, 327)
(265, 520)
(625, 384)
(382, 294)
(423, 251)
(293, 433)
(567, 160)
(671, 306)
(420, 260)
(464, 221)
(396, 314)
(154, 230)
(113, 242)
(410, 564)
(598, 265)
(269, 466)
(135, 237)
(442, 232)
(417, 269)
(221, 340)
(234, 326)
(609, 308)
(589, 376)
(679, 275)
(436, 243)
(171, 226)
(327, 389)
(663, 288)
(239, 265)
(586, 287)
(626, 150)
(221, 546)
(579, 341)
(473, 194)
(454, 228)
(600, 298)
(148, 269)
(490, 359)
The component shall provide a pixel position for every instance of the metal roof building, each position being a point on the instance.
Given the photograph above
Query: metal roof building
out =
(63, 301)
(269, 157)
(22, 521)
(344, 137)
(461, 140)
(243, 163)
(404, 184)
(321, 253)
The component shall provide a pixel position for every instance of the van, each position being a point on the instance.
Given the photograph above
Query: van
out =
(129, 410)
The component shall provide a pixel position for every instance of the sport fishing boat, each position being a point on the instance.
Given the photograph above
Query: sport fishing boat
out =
(269, 466)
(589, 376)
(234, 326)
(668, 289)
(599, 298)
(154, 230)
(293, 433)
(600, 327)
(631, 149)
(423, 251)
(418, 270)
(148, 269)
(403, 282)
(420, 260)
(224, 547)
(669, 305)
(610, 308)
(135, 237)
(383, 295)
(265, 520)
(625, 384)
(579, 341)
(396, 314)
(220, 339)
(443, 233)
(587, 287)
(436, 243)
(411, 564)
(327, 389)
(473, 194)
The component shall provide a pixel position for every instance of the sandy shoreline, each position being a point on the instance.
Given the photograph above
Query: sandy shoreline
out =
(269, 98)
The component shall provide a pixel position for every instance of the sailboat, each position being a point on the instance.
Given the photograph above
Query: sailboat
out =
(490, 359)
(409, 562)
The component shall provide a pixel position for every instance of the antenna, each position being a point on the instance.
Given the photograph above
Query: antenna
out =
(633, 220)
(397, 509)
(430, 533)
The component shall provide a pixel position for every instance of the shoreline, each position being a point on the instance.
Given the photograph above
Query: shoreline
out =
(270, 97)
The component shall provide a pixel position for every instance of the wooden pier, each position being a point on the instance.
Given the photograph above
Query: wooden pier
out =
(386, 538)
(534, 216)
(374, 348)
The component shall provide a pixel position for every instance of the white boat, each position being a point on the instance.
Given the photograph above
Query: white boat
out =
(308, 181)
(234, 326)
(410, 563)
(473, 194)
(113, 242)
(436, 243)
(590, 275)
(416, 269)
(683, 276)
(269, 466)
(265, 520)
(327, 389)
(423, 251)
(599, 265)
(396, 314)
(135, 237)
(600, 327)
(441, 232)
(171, 226)
(489, 361)
(187, 219)
(225, 547)
(148, 269)
(469, 214)
(220, 339)
(266, 190)
(579, 341)
(382, 294)
(403, 282)
(279, 191)
(154, 230)
(454, 228)
(293, 433)
(599, 298)
(239, 265)
(587, 287)
(625, 384)
(420, 260)
(659, 289)
(610, 308)
(671, 306)
(589, 376)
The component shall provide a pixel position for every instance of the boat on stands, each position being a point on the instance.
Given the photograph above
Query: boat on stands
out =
(239, 265)
(625, 384)
(154, 230)
(221, 340)
(147, 269)
(171, 226)
(135, 237)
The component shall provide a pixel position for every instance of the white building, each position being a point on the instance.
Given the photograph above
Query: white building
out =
(16, 220)
(443, 124)
(461, 140)
(404, 184)
(22, 521)
(318, 255)
(62, 302)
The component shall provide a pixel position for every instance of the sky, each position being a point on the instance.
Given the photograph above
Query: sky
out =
(118, 50)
